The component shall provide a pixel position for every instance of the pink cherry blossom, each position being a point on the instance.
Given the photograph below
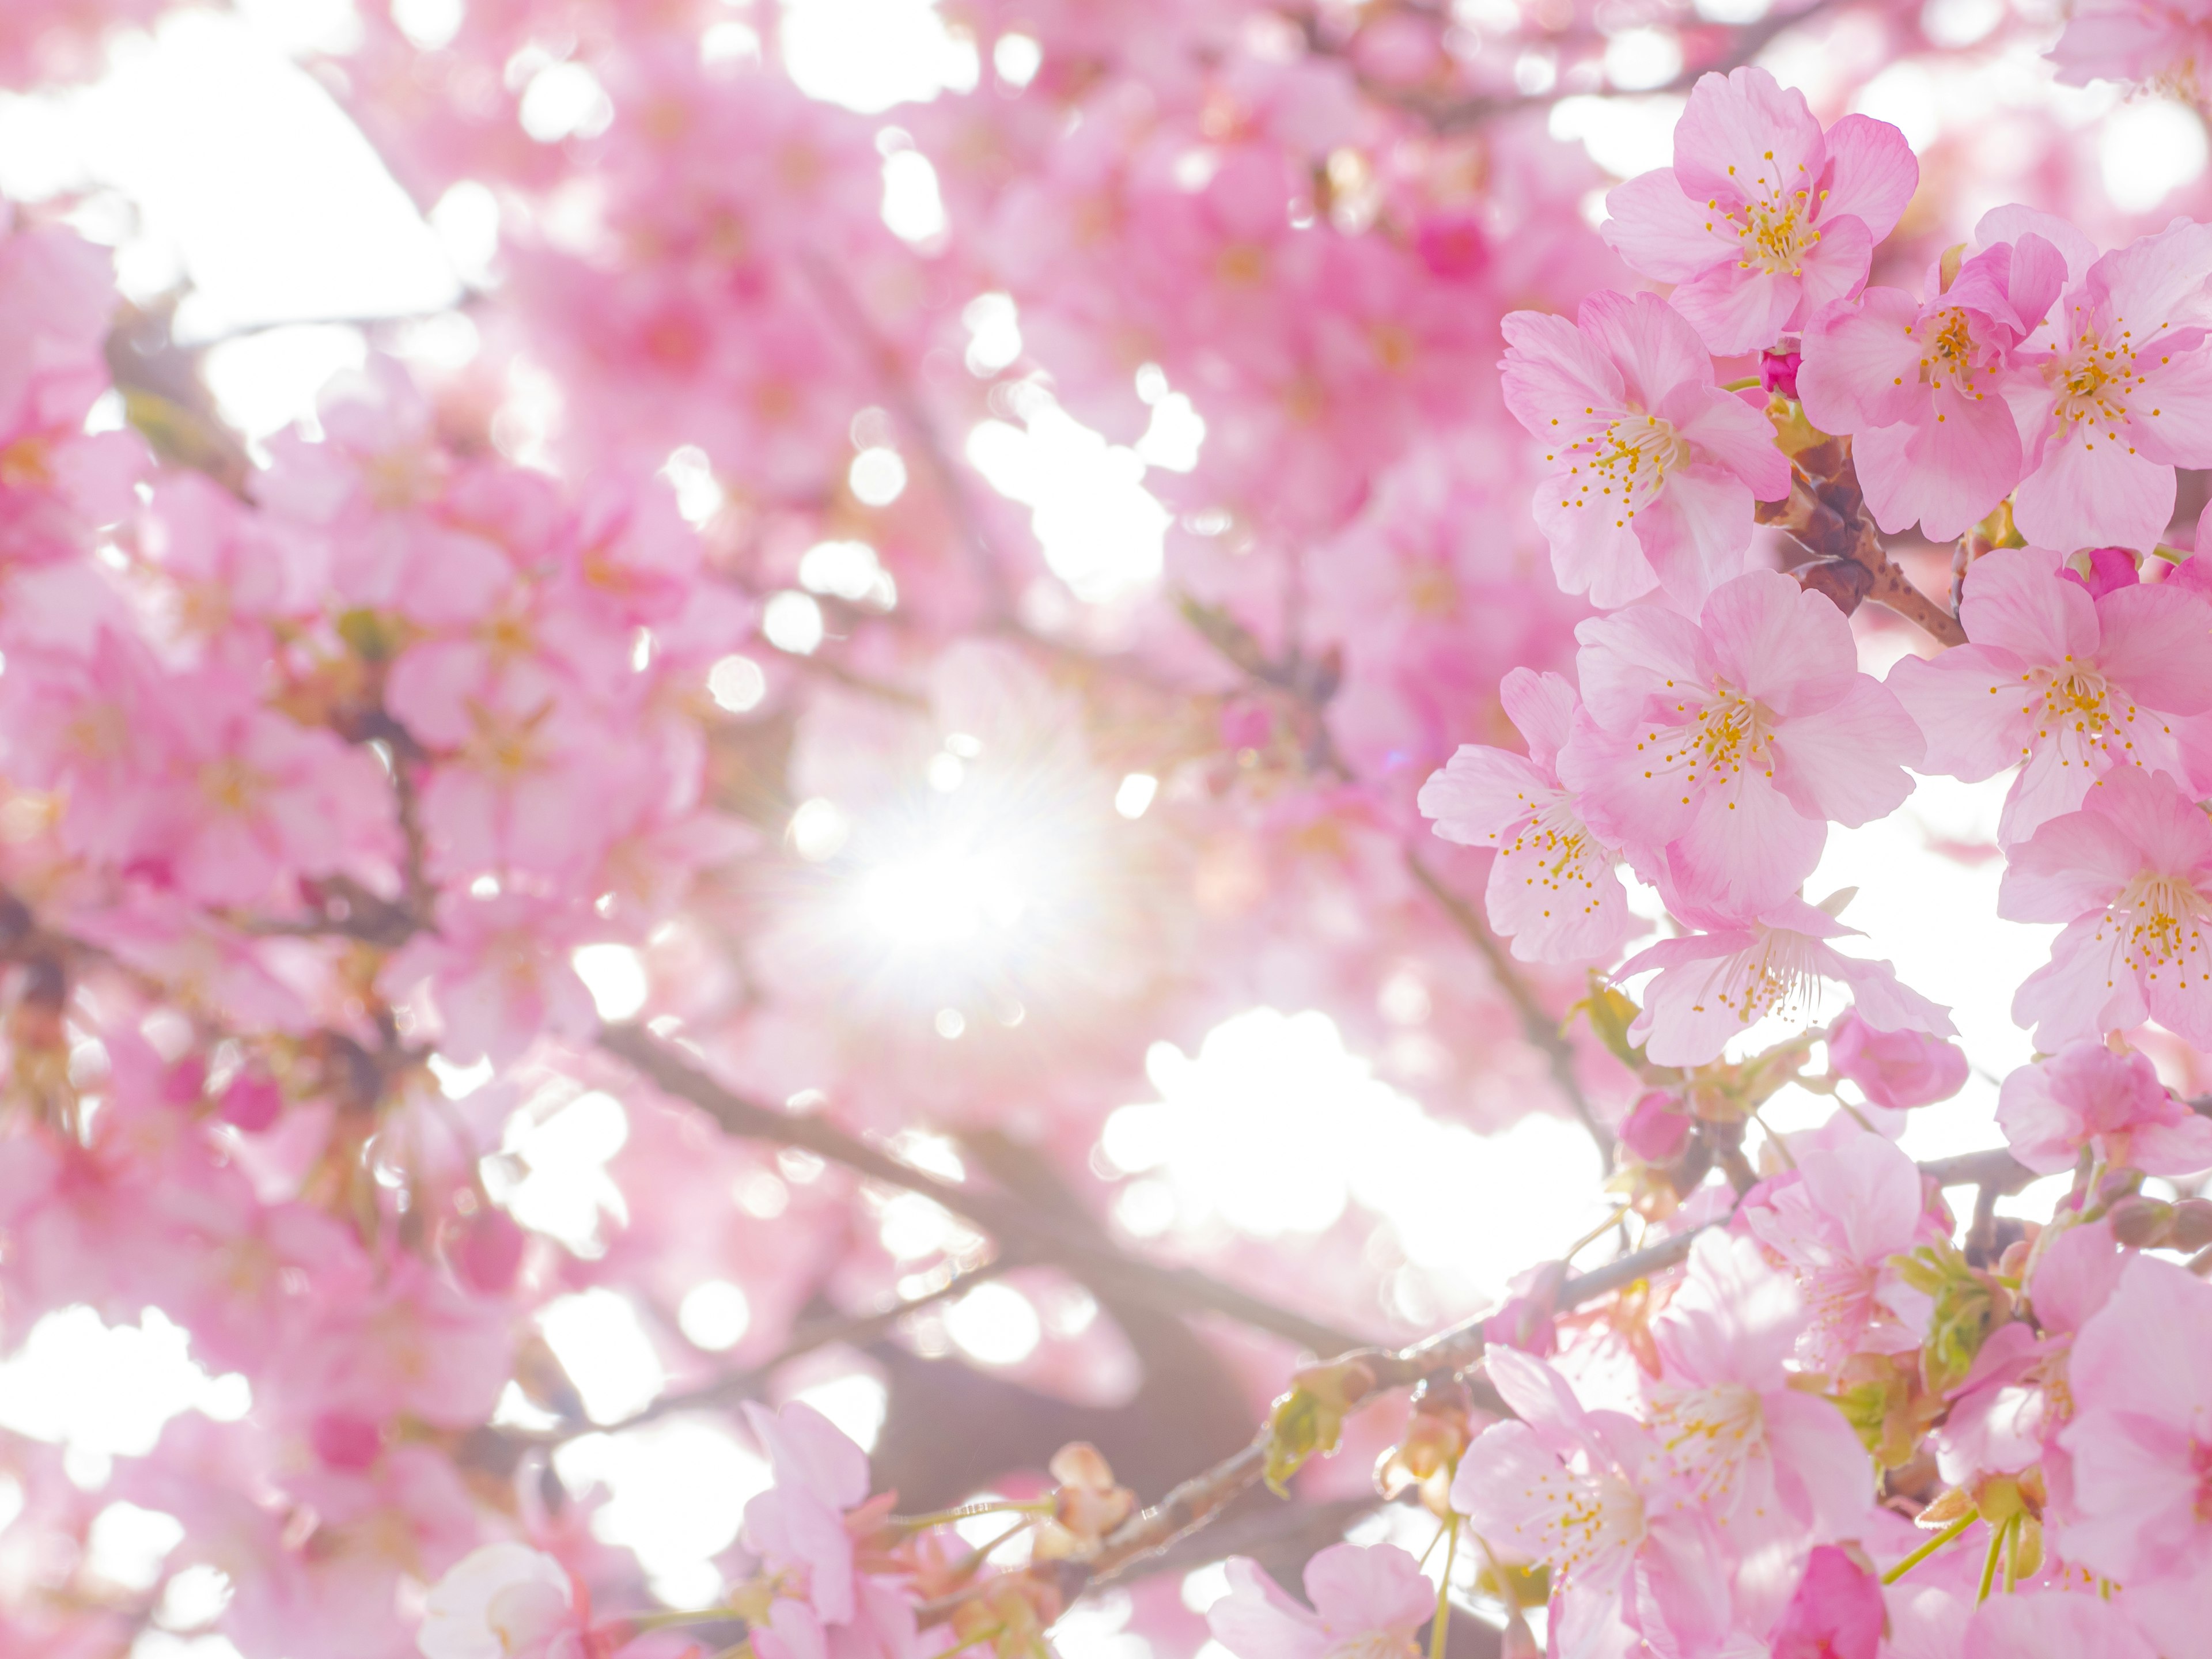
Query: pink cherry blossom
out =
(1654, 467)
(1717, 749)
(2067, 686)
(1657, 1128)
(2165, 48)
(1895, 1070)
(2130, 874)
(499, 973)
(1587, 1493)
(1554, 888)
(1735, 1432)
(800, 1527)
(1838, 1221)
(1365, 1599)
(503, 1601)
(1714, 985)
(2125, 396)
(2087, 1098)
(1922, 387)
(1836, 1612)
(1764, 219)
(2140, 1446)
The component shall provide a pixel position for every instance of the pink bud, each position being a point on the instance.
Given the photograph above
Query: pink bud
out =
(491, 1253)
(1453, 245)
(2110, 569)
(1897, 1069)
(345, 1442)
(1657, 1128)
(183, 1082)
(253, 1101)
(1245, 725)
(1836, 1613)
(1778, 372)
(1525, 1320)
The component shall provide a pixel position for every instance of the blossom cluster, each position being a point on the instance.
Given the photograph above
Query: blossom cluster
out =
(662, 842)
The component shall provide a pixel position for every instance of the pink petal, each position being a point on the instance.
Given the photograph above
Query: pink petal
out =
(2088, 491)
(1661, 232)
(2014, 600)
(2157, 644)
(1872, 173)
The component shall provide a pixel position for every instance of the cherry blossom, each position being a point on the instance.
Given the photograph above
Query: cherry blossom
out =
(1713, 985)
(1839, 1220)
(2067, 686)
(1754, 1450)
(1895, 1070)
(1368, 1601)
(2138, 1440)
(2087, 1098)
(2130, 874)
(1554, 888)
(1925, 388)
(1717, 750)
(2126, 397)
(503, 1601)
(1625, 400)
(1764, 219)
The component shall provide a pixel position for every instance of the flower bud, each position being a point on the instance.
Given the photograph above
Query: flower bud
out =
(2192, 1224)
(253, 1101)
(491, 1252)
(343, 1441)
(1087, 1506)
(1896, 1070)
(1778, 372)
(2143, 1223)
(1656, 1129)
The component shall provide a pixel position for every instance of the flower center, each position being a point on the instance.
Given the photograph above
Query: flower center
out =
(2095, 380)
(1949, 350)
(1727, 737)
(230, 785)
(2157, 922)
(1773, 223)
(1707, 1433)
(1628, 461)
(1778, 977)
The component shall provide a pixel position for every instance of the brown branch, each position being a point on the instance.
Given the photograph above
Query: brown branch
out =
(1019, 1228)
(1539, 1028)
(898, 384)
(856, 1329)
(1825, 515)
(1449, 1353)
(1450, 114)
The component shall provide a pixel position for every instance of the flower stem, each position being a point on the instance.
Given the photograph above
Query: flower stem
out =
(1989, 1563)
(1443, 1622)
(1930, 1547)
(968, 1511)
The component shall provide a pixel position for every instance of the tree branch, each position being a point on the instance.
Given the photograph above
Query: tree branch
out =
(1540, 1031)
(1825, 515)
(1018, 1227)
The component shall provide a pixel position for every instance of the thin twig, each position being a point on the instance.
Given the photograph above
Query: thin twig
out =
(1540, 1030)
(857, 1330)
(1019, 1228)
(1448, 115)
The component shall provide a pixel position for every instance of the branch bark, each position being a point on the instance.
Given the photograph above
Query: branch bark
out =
(1018, 1227)
(1825, 515)
(1538, 1027)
